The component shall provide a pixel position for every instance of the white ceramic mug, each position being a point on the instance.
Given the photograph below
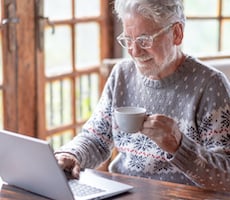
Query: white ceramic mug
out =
(130, 119)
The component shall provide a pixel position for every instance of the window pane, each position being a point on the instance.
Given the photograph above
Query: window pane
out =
(58, 103)
(225, 37)
(87, 95)
(201, 7)
(87, 8)
(57, 9)
(204, 39)
(87, 44)
(58, 50)
(60, 139)
(226, 8)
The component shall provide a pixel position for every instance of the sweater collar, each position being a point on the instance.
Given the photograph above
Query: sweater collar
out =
(171, 79)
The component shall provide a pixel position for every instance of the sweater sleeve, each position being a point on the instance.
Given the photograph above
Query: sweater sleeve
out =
(205, 158)
(206, 168)
(93, 144)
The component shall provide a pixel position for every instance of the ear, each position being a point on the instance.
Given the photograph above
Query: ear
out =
(178, 33)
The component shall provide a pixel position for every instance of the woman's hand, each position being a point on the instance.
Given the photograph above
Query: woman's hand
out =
(69, 164)
(164, 131)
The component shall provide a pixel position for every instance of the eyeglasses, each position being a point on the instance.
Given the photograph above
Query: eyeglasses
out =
(144, 41)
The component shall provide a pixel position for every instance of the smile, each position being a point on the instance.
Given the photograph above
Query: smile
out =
(143, 59)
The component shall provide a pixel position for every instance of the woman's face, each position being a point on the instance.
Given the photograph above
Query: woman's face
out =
(156, 61)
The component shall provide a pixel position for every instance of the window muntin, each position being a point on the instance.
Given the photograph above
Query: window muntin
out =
(207, 27)
(58, 103)
(72, 59)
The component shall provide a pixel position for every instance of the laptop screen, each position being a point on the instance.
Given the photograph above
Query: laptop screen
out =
(29, 163)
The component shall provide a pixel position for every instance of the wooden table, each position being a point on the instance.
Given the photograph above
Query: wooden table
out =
(144, 189)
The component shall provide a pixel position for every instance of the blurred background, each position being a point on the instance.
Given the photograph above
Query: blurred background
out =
(52, 53)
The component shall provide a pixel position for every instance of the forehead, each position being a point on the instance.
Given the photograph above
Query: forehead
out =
(137, 24)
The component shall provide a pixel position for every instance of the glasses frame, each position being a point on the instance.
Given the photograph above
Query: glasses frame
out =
(137, 40)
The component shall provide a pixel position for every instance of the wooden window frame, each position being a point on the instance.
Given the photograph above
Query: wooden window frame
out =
(106, 50)
(220, 18)
(24, 77)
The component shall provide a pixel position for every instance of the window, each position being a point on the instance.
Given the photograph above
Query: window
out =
(50, 86)
(207, 28)
(50, 80)
(72, 55)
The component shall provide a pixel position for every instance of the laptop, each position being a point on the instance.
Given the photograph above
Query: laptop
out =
(29, 163)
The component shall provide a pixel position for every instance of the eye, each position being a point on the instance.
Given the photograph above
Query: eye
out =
(144, 41)
(128, 41)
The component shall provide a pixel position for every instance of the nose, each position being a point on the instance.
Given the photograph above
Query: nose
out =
(136, 50)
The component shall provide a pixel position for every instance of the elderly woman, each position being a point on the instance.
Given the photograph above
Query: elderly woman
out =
(186, 136)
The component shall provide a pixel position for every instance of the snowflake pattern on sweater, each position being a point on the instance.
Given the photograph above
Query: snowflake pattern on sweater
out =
(196, 96)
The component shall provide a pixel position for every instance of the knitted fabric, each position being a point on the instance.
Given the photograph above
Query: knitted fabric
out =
(196, 96)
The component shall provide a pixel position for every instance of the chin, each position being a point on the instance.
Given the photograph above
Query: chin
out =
(148, 71)
(144, 65)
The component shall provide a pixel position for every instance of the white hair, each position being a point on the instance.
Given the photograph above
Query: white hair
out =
(160, 11)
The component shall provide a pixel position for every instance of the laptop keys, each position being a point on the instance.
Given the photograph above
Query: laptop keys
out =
(82, 190)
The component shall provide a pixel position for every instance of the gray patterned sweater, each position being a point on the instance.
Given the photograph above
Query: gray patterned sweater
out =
(196, 96)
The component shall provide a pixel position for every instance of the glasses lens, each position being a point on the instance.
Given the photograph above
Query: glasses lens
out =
(122, 42)
(125, 42)
(144, 42)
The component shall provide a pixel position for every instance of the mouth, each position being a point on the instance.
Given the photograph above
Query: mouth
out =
(143, 59)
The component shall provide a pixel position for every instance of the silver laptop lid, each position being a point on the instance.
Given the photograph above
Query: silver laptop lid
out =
(29, 163)
(25, 163)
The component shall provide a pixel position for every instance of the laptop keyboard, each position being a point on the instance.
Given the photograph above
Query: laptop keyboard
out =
(82, 190)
